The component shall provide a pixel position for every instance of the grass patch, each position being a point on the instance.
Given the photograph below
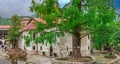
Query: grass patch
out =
(87, 59)
(109, 56)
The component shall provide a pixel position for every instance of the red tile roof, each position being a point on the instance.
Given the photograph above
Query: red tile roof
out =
(40, 20)
(32, 25)
(4, 26)
(26, 19)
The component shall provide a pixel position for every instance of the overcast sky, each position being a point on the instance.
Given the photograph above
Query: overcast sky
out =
(21, 7)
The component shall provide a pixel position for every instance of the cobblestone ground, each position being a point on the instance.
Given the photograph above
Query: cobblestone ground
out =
(3, 60)
(117, 62)
(39, 59)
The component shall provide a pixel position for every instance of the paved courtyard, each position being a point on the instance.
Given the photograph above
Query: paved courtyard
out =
(3, 60)
(37, 59)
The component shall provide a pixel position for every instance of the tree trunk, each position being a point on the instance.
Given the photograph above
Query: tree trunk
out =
(76, 54)
(15, 44)
(51, 51)
(110, 50)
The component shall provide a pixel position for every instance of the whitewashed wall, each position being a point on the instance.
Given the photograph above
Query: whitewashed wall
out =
(62, 43)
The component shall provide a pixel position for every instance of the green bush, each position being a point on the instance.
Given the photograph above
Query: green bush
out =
(55, 54)
(88, 58)
(43, 53)
(109, 56)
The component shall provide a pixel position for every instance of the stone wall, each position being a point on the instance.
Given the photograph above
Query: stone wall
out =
(63, 45)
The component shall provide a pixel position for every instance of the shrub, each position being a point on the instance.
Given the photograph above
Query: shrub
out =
(109, 56)
(88, 58)
(43, 53)
(17, 54)
(55, 54)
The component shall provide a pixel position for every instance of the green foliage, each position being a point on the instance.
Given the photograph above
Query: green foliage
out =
(49, 11)
(102, 18)
(95, 16)
(4, 21)
(27, 40)
(14, 30)
(30, 36)
(114, 38)
(55, 54)
(43, 53)
(110, 56)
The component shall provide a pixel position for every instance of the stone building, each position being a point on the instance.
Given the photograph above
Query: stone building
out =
(3, 35)
(63, 46)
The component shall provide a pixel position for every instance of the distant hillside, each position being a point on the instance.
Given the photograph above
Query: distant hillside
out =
(4, 21)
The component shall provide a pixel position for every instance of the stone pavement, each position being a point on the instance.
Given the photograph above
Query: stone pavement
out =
(38, 59)
(3, 59)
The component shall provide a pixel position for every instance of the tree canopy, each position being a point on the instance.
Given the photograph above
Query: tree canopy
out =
(4, 21)
(14, 30)
(94, 17)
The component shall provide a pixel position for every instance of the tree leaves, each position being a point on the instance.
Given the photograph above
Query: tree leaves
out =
(14, 30)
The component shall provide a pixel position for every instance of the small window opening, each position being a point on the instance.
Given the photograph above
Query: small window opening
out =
(40, 47)
(33, 47)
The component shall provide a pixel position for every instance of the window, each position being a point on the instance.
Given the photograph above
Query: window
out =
(67, 48)
(40, 47)
(33, 47)
(46, 44)
(88, 47)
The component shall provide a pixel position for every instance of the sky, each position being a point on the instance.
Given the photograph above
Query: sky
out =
(117, 5)
(21, 7)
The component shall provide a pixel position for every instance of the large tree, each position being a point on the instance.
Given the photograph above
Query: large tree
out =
(80, 18)
(14, 30)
